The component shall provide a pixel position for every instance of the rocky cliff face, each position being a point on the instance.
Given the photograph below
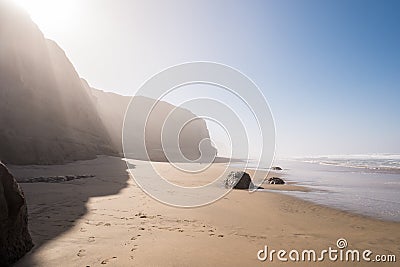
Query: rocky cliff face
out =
(46, 113)
(15, 239)
(49, 115)
(111, 108)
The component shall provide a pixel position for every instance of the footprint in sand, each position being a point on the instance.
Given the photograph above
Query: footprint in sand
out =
(108, 260)
(91, 239)
(81, 253)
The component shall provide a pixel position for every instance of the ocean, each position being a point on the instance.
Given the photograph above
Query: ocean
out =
(375, 162)
(363, 184)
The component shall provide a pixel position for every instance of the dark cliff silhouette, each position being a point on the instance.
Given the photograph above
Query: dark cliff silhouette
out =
(15, 239)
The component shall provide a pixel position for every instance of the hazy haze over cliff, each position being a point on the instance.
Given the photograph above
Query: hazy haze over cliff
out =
(48, 114)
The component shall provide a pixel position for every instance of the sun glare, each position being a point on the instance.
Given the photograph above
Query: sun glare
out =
(51, 15)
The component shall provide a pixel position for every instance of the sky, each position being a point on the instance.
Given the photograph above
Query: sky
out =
(330, 70)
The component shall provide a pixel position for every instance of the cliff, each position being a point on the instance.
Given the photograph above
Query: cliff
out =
(46, 113)
(49, 115)
(111, 108)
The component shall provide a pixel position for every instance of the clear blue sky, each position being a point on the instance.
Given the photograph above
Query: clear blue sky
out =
(329, 69)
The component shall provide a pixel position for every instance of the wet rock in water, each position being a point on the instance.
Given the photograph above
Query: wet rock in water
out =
(276, 180)
(276, 168)
(239, 180)
(15, 240)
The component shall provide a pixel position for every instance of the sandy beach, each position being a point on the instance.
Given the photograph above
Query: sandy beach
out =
(108, 220)
(126, 124)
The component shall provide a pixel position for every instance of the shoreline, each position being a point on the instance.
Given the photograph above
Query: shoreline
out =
(290, 187)
(107, 219)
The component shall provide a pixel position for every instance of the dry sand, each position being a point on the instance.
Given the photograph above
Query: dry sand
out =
(109, 221)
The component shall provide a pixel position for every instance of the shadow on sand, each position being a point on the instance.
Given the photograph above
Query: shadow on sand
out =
(54, 208)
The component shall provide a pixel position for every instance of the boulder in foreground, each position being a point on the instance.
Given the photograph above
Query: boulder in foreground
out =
(239, 180)
(15, 239)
